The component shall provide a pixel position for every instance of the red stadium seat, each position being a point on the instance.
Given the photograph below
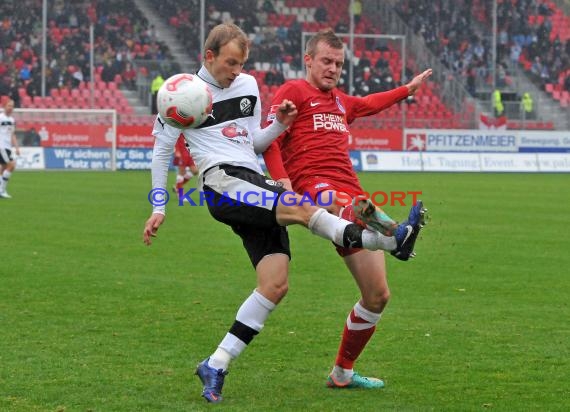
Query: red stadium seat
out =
(26, 101)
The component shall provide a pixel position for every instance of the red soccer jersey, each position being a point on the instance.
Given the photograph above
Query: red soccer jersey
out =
(316, 145)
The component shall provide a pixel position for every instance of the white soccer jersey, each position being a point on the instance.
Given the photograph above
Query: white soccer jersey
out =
(7, 128)
(232, 135)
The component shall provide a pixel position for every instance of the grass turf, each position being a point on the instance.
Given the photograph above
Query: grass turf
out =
(93, 320)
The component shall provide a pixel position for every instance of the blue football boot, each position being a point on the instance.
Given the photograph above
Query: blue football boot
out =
(213, 381)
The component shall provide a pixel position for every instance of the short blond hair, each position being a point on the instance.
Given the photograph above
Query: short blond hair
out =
(326, 36)
(222, 34)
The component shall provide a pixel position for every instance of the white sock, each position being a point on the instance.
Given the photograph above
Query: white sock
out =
(341, 374)
(371, 317)
(374, 240)
(5, 177)
(253, 312)
(220, 359)
(179, 178)
(332, 228)
(328, 226)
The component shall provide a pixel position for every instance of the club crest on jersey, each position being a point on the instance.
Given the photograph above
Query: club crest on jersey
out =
(245, 106)
(271, 115)
(340, 106)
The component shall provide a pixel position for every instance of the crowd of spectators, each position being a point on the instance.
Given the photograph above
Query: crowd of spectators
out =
(121, 34)
(276, 44)
(276, 40)
(532, 39)
(458, 31)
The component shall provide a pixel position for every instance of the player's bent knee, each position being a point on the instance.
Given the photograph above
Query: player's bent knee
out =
(281, 290)
(385, 296)
(376, 300)
(274, 292)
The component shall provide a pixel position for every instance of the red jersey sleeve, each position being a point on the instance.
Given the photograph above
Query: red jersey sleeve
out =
(272, 155)
(373, 103)
(274, 162)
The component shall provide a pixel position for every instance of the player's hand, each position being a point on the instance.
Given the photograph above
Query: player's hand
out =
(417, 81)
(151, 227)
(286, 182)
(286, 112)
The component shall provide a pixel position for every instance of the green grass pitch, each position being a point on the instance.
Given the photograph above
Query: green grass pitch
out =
(93, 320)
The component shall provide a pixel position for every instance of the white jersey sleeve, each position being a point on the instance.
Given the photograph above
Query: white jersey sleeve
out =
(165, 138)
(262, 138)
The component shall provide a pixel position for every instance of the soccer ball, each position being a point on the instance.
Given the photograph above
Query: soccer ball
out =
(184, 101)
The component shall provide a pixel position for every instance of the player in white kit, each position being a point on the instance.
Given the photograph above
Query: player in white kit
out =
(7, 143)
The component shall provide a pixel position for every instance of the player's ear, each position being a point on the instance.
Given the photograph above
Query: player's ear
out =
(308, 61)
(209, 55)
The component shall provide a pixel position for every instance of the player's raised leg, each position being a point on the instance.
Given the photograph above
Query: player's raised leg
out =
(406, 233)
(340, 231)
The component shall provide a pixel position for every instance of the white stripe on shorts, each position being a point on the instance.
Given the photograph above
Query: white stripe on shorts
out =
(236, 189)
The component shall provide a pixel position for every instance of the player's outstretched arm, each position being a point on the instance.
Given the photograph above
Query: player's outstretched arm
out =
(417, 81)
(151, 227)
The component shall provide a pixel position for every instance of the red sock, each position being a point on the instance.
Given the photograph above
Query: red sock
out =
(181, 183)
(357, 332)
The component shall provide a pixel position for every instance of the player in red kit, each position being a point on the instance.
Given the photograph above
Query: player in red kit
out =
(312, 157)
(186, 166)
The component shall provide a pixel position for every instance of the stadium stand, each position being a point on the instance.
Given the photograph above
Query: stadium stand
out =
(122, 35)
(125, 40)
(275, 32)
(533, 34)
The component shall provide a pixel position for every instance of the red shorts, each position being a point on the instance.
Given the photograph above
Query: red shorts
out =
(181, 154)
(316, 185)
